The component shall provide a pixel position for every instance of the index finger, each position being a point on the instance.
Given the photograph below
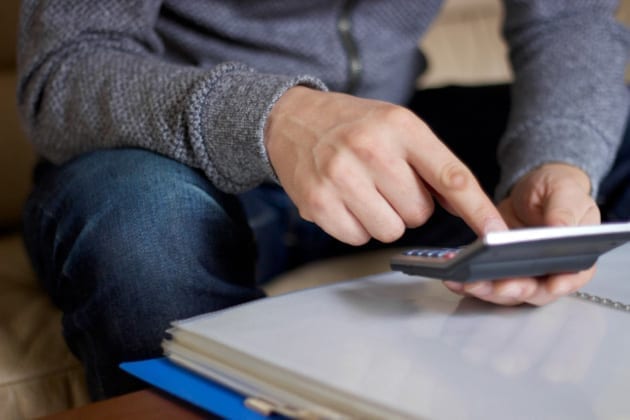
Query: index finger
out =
(456, 184)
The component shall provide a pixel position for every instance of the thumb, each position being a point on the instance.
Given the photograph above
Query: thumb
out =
(558, 210)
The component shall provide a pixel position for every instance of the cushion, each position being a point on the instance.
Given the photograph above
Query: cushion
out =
(16, 156)
(8, 33)
(38, 374)
(464, 46)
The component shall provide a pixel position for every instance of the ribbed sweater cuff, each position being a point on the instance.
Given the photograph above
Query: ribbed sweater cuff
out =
(537, 142)
(232, 121)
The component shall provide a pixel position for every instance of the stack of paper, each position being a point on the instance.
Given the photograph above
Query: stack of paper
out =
(393, 345)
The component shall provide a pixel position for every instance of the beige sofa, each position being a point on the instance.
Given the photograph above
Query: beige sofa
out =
(38, 375)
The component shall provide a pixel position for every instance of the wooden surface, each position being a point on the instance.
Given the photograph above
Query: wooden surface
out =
(146, 404)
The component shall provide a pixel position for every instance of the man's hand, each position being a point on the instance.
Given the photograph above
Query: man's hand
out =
(551, 195)
(363, 168)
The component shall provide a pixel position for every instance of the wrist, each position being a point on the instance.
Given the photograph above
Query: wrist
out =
(291, 102)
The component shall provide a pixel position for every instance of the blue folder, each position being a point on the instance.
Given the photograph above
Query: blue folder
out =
(190, 387)
(396, 345)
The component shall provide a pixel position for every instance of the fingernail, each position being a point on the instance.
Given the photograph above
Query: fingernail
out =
(454, 285)
(560, 289)
(512, 291)
(480, 288)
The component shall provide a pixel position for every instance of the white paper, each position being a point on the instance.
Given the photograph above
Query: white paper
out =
(409, 343)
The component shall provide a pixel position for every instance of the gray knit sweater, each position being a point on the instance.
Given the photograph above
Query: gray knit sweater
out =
(195, 79)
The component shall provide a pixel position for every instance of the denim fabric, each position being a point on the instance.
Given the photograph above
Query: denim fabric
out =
(614, 195)
(126, 241)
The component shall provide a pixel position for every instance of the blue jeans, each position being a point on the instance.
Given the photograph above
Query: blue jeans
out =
(126, 241)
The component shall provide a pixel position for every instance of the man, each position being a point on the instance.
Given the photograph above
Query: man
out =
(166, 127)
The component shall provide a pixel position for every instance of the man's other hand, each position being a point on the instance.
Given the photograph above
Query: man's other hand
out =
(552, 195)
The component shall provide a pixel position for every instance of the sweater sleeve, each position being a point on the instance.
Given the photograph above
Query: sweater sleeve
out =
(92, 75)
(569, 101)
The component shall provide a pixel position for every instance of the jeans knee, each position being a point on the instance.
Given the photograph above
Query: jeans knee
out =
(126, 241)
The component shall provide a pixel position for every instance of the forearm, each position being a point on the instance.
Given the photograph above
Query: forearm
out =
(569, 100)
(105, 85)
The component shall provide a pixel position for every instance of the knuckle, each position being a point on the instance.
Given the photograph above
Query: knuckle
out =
(358, 238)
(419, 216)
(455, 176)
(343, 175)
(391, 233)
(362, 142)
(367, 153)
(314, 203)
(336, 169)
(398, 116)
(371, 149)
(357, 135)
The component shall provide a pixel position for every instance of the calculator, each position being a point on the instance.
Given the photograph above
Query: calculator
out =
(526, 252)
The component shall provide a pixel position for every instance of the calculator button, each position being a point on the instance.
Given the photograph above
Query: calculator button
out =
(448, 255)
(433, 253)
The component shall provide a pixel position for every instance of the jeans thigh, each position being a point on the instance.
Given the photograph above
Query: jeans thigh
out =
(126, 241)
(284, 240)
